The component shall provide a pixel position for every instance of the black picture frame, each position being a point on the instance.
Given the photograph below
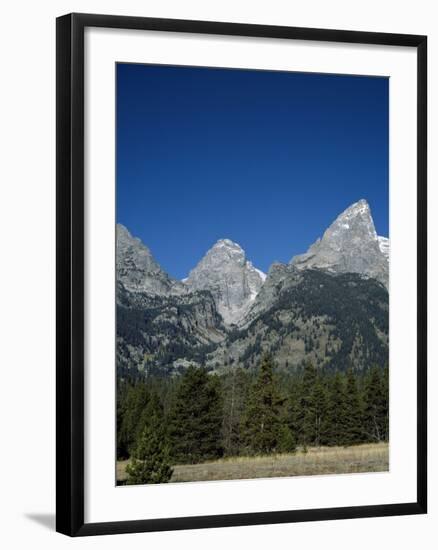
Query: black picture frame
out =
(70, 273)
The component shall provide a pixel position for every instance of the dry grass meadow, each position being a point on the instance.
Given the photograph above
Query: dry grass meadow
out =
(317, 461)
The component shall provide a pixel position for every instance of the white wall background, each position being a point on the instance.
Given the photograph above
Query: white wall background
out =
(27, 273)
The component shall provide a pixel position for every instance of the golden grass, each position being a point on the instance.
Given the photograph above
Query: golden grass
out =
(317, 461)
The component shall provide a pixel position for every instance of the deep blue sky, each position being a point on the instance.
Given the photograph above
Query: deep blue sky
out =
(267, 159)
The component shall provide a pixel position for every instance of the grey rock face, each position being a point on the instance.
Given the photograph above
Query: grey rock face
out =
(384, 246)
(280, 277)
(232, 280)
(138, 271)
(349, 245)
(158, 334)
(334, 320)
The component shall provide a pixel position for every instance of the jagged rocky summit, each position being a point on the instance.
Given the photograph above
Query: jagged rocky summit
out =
(161, 324)
(329, 305)
(232, 279)
(349, 245)
(137, 269)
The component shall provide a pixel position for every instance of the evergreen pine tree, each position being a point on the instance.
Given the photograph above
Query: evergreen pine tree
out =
(294, 407)
(312, 408)
(286, 440)
(354, 430)
(307, 406)
(320, 399)
(337, 413)
(261, 423)
(385, 390)
(375, 414)
(234, 390)
(196, 418)
(133, 401)
(150, 458)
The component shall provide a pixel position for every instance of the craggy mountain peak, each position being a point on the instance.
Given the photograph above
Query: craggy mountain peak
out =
(137, 269)
(349, 245)
(232, 279)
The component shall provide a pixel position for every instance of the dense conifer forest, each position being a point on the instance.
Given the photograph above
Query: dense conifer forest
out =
(199, 416)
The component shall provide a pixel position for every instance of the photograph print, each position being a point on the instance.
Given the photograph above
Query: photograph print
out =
(252, 274)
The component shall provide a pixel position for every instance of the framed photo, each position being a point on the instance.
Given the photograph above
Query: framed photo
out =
(241, 274)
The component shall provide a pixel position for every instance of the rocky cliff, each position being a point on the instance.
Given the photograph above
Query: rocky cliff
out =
(232, 279)
(349, 245)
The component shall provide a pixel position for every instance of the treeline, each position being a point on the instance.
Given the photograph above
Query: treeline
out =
(199, 416)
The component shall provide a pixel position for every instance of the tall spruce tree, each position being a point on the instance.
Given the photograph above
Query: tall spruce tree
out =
(133, 400)
(235, 386)
(337, 411)
(320, 399)
(312, 408)
(307, 407)
(287, 442)
(261, 422)
(375, 413)
(354, 431)
(294, 411)
(288, 429)
(150, 458)
(196, 418)
(385, 389)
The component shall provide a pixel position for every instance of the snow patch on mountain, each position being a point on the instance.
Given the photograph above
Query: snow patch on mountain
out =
(384, 246)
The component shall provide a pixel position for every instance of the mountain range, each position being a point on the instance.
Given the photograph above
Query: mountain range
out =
(329, 304)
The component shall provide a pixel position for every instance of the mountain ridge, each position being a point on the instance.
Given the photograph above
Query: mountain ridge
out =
(227, 312)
